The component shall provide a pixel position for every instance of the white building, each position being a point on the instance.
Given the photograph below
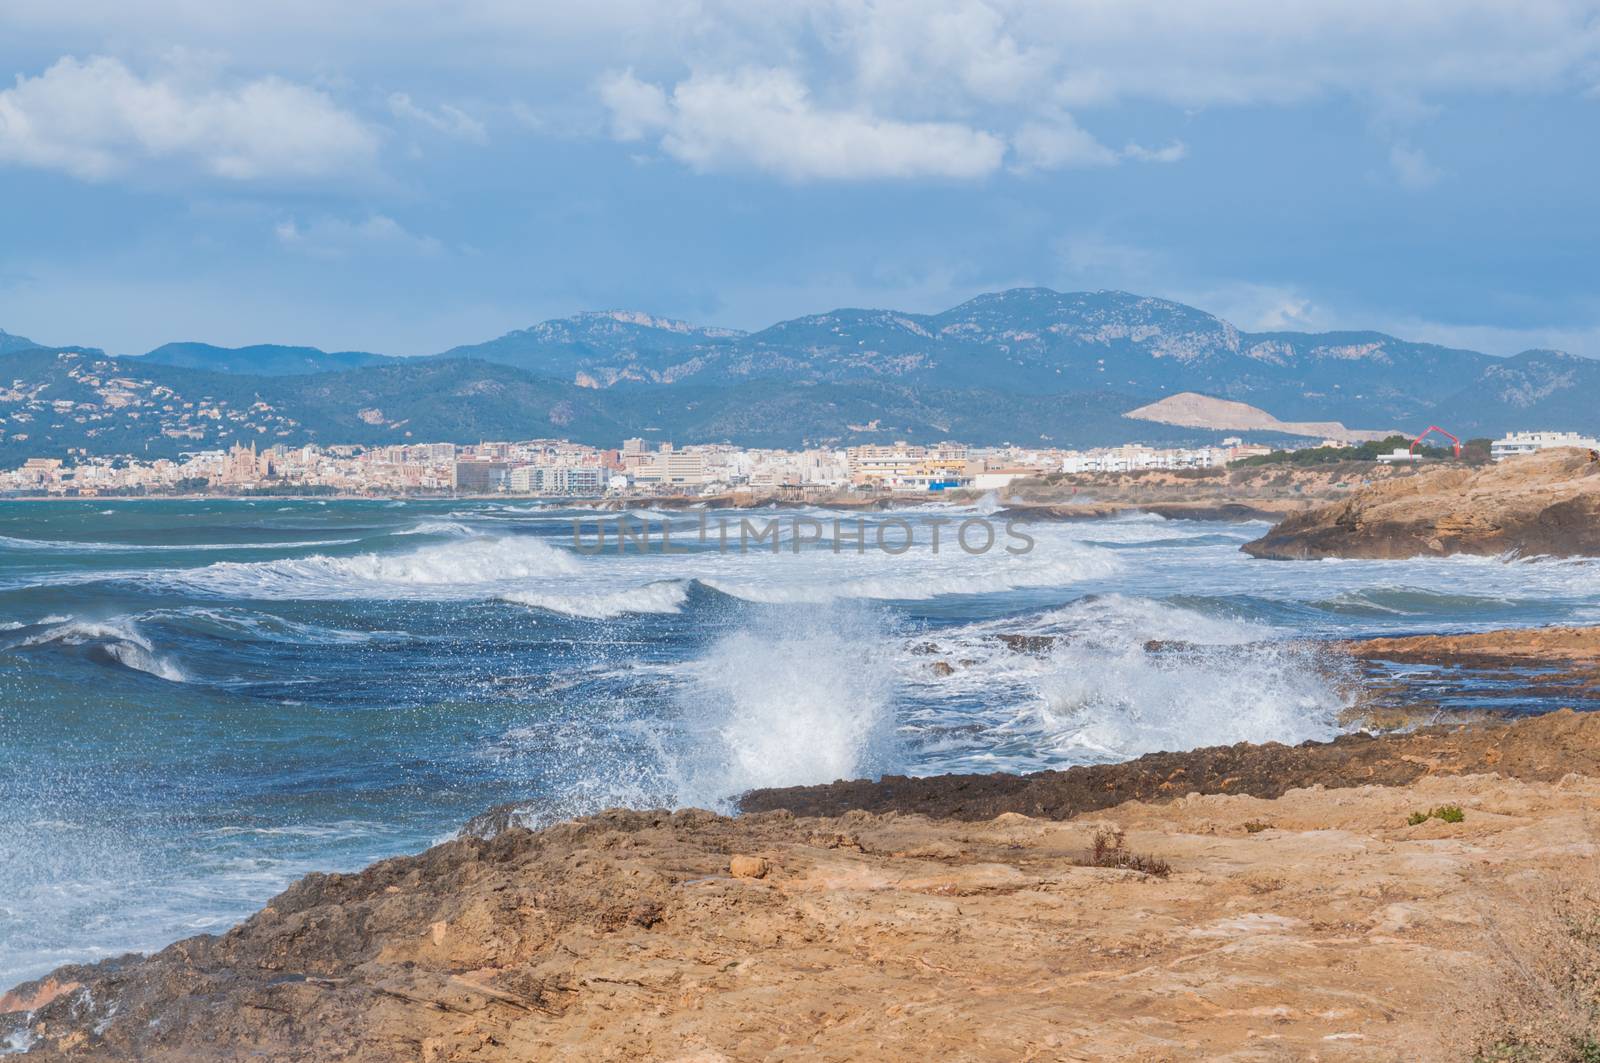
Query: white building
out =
(1515, 443)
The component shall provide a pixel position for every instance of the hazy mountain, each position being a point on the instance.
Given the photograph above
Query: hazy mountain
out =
(1534, 389)
(1028, 341)
(1026, 366)
(262, 359)
(51, 401)
(54, 401)
(601, 348)
(9, 343)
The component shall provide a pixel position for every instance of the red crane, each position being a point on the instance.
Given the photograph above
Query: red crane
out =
(1435, 428)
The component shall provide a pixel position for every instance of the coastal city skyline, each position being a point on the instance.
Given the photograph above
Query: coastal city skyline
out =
(557, 468)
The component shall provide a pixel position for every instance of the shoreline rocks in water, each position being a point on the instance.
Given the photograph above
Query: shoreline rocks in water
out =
(1515, 646)
(1541, 748)
(1340, 923)
(1538, 504)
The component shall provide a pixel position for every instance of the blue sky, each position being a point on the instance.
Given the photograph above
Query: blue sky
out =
(406, 176)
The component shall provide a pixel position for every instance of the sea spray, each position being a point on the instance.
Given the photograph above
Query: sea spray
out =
(1120, 703)
(1107, 677)
(663, 596)
(799, 695)
(1132, 676)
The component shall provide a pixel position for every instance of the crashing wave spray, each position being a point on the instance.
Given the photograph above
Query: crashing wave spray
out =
(1108, 690)
(800, 695)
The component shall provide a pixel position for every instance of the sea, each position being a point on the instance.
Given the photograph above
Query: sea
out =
(201, 700)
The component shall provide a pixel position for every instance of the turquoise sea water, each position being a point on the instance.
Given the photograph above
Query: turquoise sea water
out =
(201, 700)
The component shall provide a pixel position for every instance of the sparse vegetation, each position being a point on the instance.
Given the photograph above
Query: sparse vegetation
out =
(1545, 992)
(1109, 849)
(1447, 813)
(1328, 455)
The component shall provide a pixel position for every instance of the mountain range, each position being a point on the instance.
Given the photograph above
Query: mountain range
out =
(1028, 365)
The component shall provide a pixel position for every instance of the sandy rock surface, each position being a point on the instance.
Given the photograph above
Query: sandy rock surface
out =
(1315, 926)
(1319, 924)
(1546, 503)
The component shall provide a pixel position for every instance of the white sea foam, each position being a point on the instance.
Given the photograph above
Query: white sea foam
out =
(915, 578)
(1097, 691)
(1119, 703)
(462, 568)
(800, 696)
(664, 596)
(75, 546)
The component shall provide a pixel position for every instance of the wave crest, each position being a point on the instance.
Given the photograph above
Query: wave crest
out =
(665, 596)
(118, 642)
(463, 568)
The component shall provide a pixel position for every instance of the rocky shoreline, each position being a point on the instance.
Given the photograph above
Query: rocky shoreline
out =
(1373, 897)
(1539, 504)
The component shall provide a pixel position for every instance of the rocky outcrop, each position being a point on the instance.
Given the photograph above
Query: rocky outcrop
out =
(1356, 923)
(1539, 504)
(1543, 748)
(1513, 647)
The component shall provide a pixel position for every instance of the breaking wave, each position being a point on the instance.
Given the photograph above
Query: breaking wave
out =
(799, 696)
(447, 570)
(438, 527)
(666, 596)
(920, 581)
(1123, 702)
(1110, 677)
(70, 546)
(117, 642)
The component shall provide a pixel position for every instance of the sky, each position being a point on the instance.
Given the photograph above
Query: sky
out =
(406, 176)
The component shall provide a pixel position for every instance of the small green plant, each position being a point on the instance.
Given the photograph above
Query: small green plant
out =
(1447, 813)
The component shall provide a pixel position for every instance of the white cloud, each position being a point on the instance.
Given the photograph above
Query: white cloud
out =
(96, 119)
(1058, 144)
(1176, 151)
(447, 120)
(637, 108)
(336, 238)
(766, 120)
(1412, 168)
(941, 81)
(949, 52)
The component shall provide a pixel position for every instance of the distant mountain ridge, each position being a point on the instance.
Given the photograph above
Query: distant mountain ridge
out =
(602, 348)
(9, 343)
(1029, 365)
(262, 359)
(1038, 341)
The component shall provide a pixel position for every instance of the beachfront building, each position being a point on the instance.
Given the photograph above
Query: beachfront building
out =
(1131, 457)
(1514, 443)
